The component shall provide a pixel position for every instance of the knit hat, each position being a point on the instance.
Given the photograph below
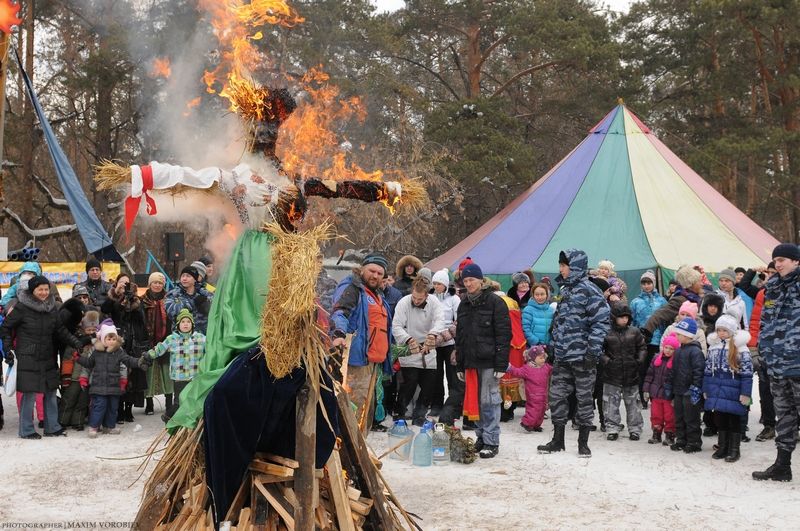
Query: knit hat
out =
(156, 276)
(728, 273)
(687, 327)
(472, 271)
(608, 264)
(786, 250)
(425, 273)
(90, 318)
(562, 258)
(189, 270)
(464, 263)
(106, 327)
(184, 314)
(740, 270)
(201, 268)
(520, 277)
(36, 281)
(687, 276)
(80, 290)
(92, 263)
(648, 276)
(206, 260)
(672, 341)
(727, 322)
(442, 277)
(689, 308)
(377, 259)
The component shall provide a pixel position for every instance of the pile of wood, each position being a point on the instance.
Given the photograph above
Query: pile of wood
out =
(349, 493)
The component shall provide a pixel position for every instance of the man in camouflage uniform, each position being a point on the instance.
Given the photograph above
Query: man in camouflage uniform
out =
(779, 345)
(580, 325)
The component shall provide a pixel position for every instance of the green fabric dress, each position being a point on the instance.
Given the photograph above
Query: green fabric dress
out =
(233, 322)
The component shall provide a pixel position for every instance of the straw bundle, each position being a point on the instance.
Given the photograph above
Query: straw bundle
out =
(288, 329)
(109, 175)
(414, 195)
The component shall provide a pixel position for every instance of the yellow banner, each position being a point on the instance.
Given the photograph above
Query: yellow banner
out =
(59, 273)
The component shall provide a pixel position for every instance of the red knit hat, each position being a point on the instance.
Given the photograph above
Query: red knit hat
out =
(464, 263)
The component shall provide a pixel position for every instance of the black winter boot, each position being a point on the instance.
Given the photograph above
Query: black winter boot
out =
(557, 444)
(121, 413)
(148, 406)
(128, 412)
(669, 438)
(583, 442)
(167, 401)
(723, 438)
(656, 438)
(734, 445)
(781, 470)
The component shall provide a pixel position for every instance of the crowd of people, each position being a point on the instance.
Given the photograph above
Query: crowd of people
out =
(422, 345)
(109, 348)
(688, 356)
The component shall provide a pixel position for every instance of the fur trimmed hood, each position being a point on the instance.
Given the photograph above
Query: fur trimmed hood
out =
(407, 260)
(71, 313)
(25, 298)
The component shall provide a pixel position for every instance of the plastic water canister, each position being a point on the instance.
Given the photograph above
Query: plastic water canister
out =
(441, 445)
(423, 448)
(400, 432)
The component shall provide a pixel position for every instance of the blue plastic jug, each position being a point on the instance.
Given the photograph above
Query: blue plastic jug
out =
(423, 448)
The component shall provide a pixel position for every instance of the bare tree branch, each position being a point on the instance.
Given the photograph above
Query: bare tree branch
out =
(429, 70)
(521, 73)
(39, 233)
(55, 201)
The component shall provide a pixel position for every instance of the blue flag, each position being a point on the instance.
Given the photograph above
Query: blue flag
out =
(94, 235)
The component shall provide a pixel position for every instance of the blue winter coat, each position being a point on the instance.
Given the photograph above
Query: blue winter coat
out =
(687, 369)
(779, 339)
(536, 321)
(582, 318)
(351, 316)
(721, 386)
(642, 307)
(11, 292)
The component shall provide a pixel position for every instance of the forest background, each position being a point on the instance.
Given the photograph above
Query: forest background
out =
(479, 98)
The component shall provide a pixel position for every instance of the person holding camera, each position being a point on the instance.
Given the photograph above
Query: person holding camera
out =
(191, 295)
(124, 307)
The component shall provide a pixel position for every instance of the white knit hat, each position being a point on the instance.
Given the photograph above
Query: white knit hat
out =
(442, 277)
(728, 322)
(105, 329)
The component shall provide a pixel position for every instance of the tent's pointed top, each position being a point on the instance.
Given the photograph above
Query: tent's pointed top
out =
(603, 125)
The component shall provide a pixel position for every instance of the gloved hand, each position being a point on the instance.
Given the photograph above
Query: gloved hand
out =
(413, 346)
(646, 396)
(145, 362)
(499, 374)
(648, 335)
(460, 376)
(84, 382)
(10, 357)
(123, 384)
(590, 362)
(696, 395)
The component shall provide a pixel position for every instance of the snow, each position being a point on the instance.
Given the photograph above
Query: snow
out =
(625, 484)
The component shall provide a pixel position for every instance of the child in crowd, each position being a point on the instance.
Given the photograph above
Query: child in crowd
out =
(662, 414)
(536, 375)
(688, 309)
(105, 378)
(186, 347)
(686, 382)
(728, 384)
(623, 349)
(74, 398)
(537, 317)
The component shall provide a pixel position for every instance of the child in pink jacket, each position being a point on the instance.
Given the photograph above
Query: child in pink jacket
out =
(536, 375)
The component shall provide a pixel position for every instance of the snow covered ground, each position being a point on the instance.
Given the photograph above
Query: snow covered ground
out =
(625, 484)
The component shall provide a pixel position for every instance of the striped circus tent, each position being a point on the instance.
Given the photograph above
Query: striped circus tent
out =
(620, 195)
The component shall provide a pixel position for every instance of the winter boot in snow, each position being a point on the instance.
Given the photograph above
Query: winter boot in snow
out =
(121, 413)
(583, 442)
(128, 412)
(488, 451)
(766, 434)
(557, 444)
(781, 470)
(167, 401)
(734, 445)
(669, 438)
(656, 438)
(478, 444)
(723, 440)
(148, 407)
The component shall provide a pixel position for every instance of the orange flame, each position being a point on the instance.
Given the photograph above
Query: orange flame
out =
(191, 104)
(161, 68)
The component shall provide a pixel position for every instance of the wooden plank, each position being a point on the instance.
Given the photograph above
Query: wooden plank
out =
(305, 451)
(275, 502)
(357, 447)
(259, 509)
(338, 491)
(244, 518)
(361, 506)
(271, 468)
(353, 493)
(239, 499)
(269, 478)
(278, 459)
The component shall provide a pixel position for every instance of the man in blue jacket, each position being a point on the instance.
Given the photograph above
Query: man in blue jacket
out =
(580, 325)
(779, 345)
(360, 308)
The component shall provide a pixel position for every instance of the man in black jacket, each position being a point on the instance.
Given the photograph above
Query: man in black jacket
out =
(95, 285)
(483, 339)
